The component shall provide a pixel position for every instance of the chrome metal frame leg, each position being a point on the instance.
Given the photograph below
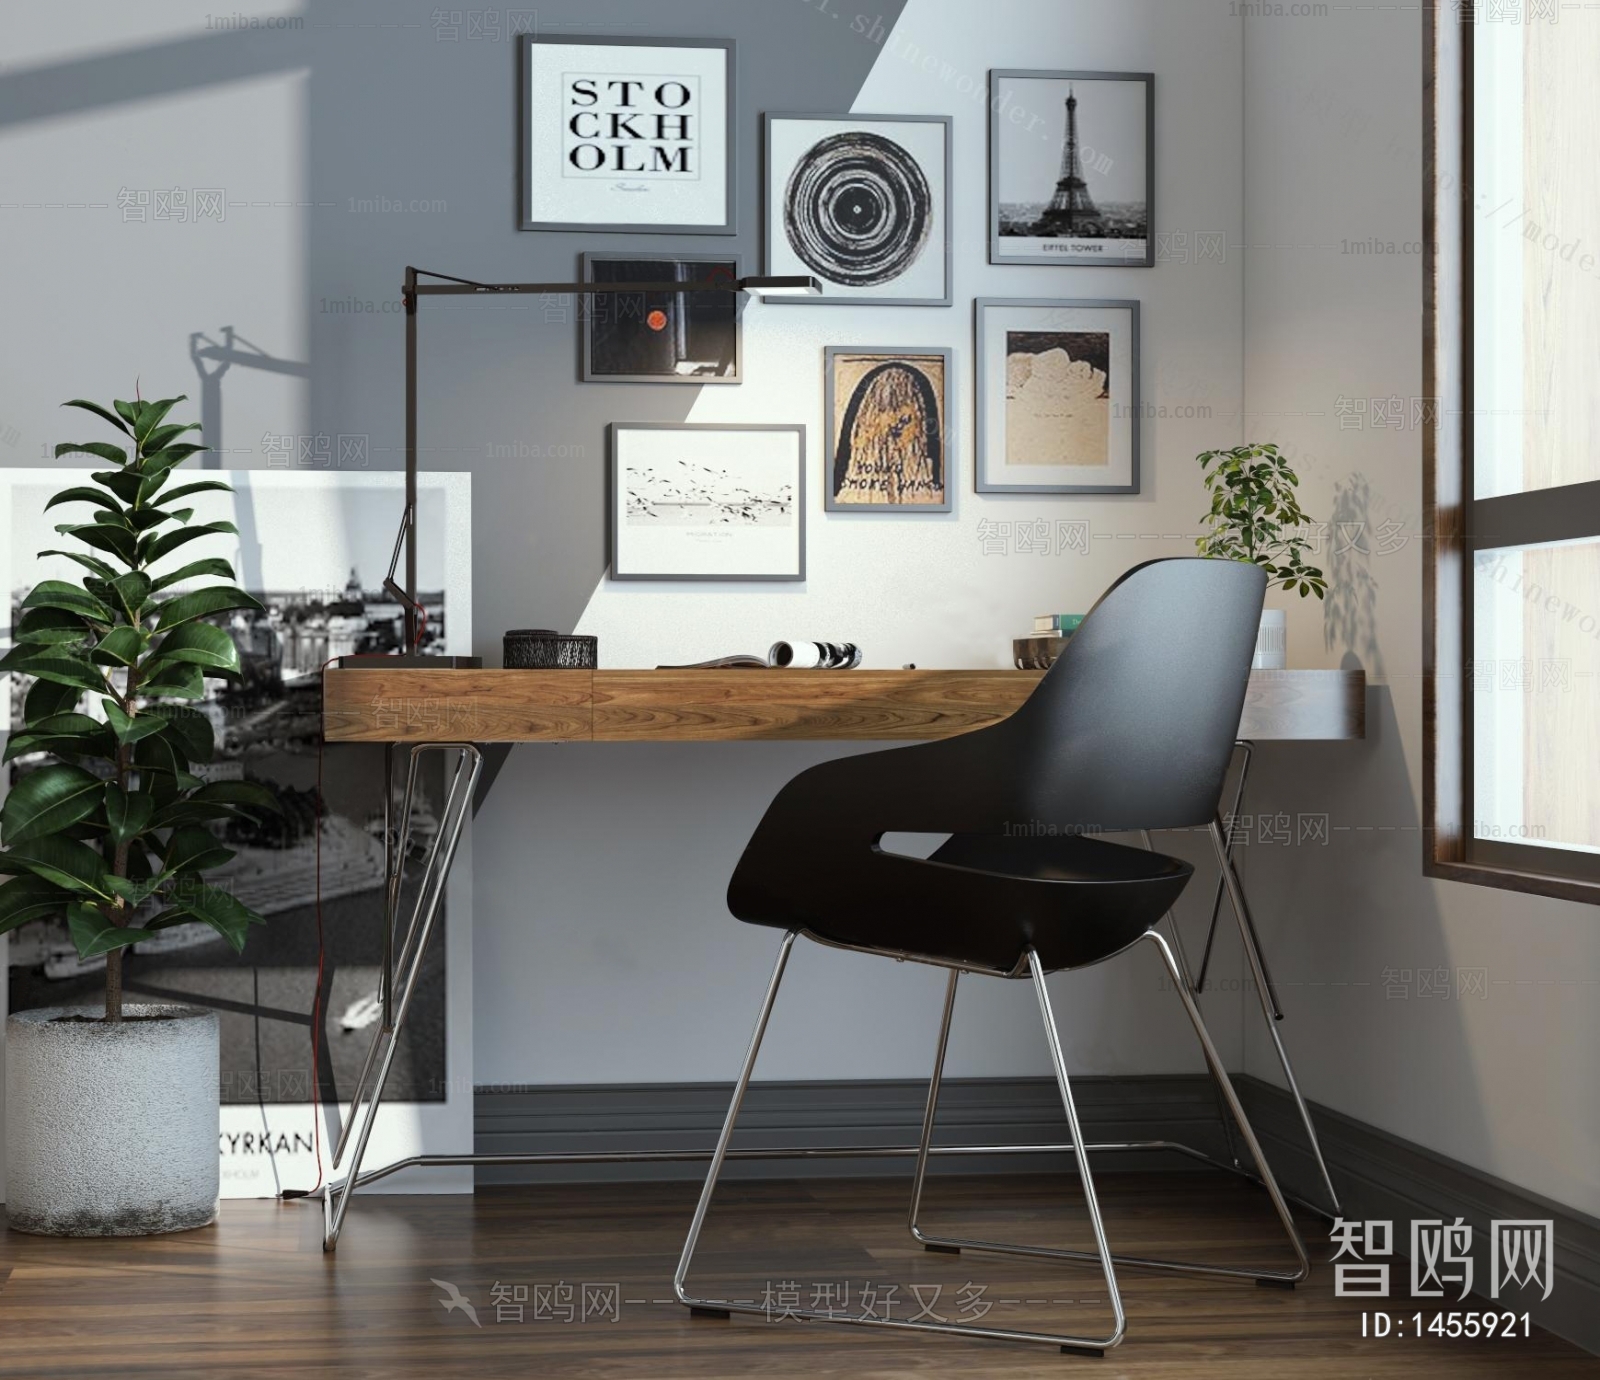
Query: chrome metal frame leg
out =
(1252, 952)
(725, 1307)
(1225, 1086)
(368, 1092)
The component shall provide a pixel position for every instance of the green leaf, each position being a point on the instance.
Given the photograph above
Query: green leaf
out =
(124, 484)
(53, 666)
(63, 861)
(94, 934)
(130, 728)
(189, 732)
(82, 494)
(194, 849)
(132, 590)
(30, 898)
(98, 411)
(88, 562)
(248, 795)
(133, 894)
(203, 486)
(129, 412)
(58, 594)
(160, 437)
(47, 801)
(45, 699)
(50, 627)
(201, 644)
(201, 602)
(176, 680)
(62, 734)
(212, 565)
(127, 813)
(227, 916)
(122, 646)
(102, 450)
(150, 416)
(169, 542)
(143, 519)
(119, 541)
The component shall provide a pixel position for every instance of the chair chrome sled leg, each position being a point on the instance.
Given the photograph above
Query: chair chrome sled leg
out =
(1273, 1278)
(703, 1306)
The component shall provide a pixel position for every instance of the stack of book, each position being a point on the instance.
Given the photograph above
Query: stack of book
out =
(1050, 634)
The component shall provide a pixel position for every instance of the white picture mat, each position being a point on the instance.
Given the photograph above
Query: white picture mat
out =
(993, 324)
(924, 140)
(762, 460)
(315, 526)
(553, 196)
(1113, 146)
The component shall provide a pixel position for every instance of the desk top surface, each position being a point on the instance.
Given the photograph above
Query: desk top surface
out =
(409, 705)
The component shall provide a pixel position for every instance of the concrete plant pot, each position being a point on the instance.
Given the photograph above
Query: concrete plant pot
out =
(111, 1129)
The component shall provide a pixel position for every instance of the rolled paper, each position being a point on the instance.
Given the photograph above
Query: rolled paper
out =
(814, 656)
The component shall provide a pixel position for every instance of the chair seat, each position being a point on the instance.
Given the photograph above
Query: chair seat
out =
(981, 900)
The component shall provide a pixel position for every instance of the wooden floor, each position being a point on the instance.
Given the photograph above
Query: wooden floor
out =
(255, 1295)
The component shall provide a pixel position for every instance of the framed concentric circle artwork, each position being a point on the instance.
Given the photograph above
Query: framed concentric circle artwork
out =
(862, 203)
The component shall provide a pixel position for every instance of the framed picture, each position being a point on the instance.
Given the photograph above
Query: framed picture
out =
(693, 501)
(862, 203)
(1071, 168)
(888, 419)
(661, 337)
(627, 134)
(1058, 396)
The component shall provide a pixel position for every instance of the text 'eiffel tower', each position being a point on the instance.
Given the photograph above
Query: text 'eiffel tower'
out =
(1071, 208)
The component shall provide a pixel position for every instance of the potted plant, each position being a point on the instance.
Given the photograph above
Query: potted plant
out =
(112, 1115)
(1256, 517)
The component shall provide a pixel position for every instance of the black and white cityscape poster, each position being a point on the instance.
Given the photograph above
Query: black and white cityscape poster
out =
(862, 204)
(313, 547)
(627, 134)
(1070, 168)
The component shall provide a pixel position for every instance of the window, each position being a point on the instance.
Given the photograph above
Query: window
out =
(1512, 482)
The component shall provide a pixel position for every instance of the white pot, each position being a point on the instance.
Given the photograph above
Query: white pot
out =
(1272, 641)
(111, 1129)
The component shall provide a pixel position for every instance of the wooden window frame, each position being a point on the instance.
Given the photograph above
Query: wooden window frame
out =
(1449, 198)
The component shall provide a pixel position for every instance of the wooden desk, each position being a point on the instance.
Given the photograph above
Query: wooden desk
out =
(412, 706)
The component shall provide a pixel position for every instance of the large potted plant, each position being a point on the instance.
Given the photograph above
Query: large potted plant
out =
(1255, 516)
(112, 1114)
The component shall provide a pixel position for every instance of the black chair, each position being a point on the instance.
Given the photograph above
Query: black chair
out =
(1130, 730)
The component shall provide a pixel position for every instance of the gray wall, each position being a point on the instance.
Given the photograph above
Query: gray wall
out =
(1504, 1082)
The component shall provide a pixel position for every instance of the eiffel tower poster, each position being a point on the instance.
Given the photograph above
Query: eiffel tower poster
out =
(1070, 167)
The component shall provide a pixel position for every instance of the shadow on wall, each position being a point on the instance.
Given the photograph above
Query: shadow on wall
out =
(1350, 612)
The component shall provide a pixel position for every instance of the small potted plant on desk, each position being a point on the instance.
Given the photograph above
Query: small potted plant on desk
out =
(1255, 517)
(112, 1115)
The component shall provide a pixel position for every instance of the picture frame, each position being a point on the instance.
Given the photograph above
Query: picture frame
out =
(658, 156)
(1043, 123)
(1057, 395)
(861, 203)
(876, 462)
(661, 337)
(707, 501)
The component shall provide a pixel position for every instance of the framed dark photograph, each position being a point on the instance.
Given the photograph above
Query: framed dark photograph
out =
(862, 203)
(1071, 168)
(627, 134)
(708, 501)
(888, 420)
(661, 337)
(1057, 396)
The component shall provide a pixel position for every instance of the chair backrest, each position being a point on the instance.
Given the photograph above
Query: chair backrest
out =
(1134, 724)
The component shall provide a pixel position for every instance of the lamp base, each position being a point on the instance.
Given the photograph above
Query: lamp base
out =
(406, 661)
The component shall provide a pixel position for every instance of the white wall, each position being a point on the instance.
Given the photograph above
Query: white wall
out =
(604, 948)
(1333, 153)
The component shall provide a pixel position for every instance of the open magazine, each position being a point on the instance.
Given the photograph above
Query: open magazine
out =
(795, 656)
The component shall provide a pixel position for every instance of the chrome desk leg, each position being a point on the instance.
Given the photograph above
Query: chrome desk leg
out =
(414, 949)
(723, 1308)
(1258, 972)
(1246, 749)
(1220, 1078)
